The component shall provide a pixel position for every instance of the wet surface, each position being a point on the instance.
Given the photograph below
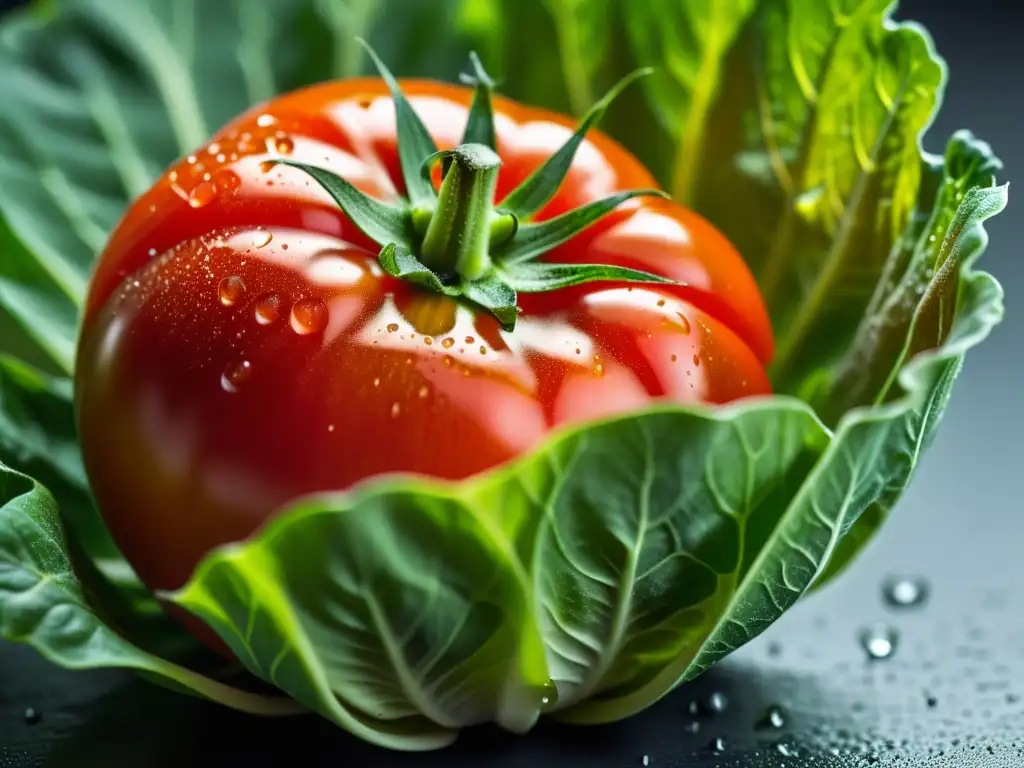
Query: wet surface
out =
(915, 657)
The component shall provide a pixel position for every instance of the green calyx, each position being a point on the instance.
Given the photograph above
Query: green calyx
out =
(454, 240)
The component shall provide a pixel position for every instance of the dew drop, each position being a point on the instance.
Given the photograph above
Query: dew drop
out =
(905, 592)
(717, 703)
(230, 290)
(599, 370)
(330, 427)
(396, 409)
(696, 360)
(879, 643)
(392, 327)
(235, 375)
(718, 745)
(647, 760)
(483, 350)
(267, 166)
(32, 716)
(268, 309)
(470, 340)
(548, 695)
(785, 751)
(308, 316)
(448, 342)
(685, 324)
(376, 382)
(265, 121)
(428, 340)
(773, 718)
(661, 302)
(931, 701)
(152, 252)
(674, 358)
(261, 239)
(227, 180)
(284, 145)
(424, 392)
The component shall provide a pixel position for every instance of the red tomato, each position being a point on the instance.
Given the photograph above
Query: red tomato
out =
(241, 345)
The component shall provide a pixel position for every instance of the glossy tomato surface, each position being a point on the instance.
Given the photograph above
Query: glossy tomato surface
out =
(242, 347)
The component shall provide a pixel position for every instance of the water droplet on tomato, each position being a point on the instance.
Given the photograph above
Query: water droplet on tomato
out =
(308, 316)
(696, 360)
(448, 342)
(267, 166)
(470, 340)
(202, 195)
(191, 159)
(284, 145)
(428, 340)
(265, 121)
(685, 323)
(268, 309)
(392, 327)
(661, 302)
(599, 370)
(261, 239)
(235, 375)
(396, 409)
(227, 180)
(152, 252)
(424, 392)
(230, 290)
(483, 350)
(674, 358)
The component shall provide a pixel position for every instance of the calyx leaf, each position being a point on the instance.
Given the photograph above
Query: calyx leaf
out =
(542, 276)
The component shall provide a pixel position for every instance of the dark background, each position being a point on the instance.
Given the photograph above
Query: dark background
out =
(952, 694)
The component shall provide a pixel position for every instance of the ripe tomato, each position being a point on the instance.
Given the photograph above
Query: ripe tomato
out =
(242, 346)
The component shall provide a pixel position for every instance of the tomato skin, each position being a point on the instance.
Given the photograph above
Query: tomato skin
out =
(263, 354)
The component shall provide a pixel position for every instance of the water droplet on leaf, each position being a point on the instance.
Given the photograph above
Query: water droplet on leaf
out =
(548, 695)
(308, 316)
(227, 180)
(230, 290)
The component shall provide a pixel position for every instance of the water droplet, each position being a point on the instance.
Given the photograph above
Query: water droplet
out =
(261, 239)
(718, 745)
(905, 592)
(284, 145)
(152, 252)
(268, 309)
(396, 409)
(879, 643)
(32, 716)
(235, 375)
(661, 302)
(647, 760)
(693, 707)
(267, 166)
(931, 701)
(330, 427)
(774, 649)
(772, 719)
(376, 382)
(308, 316)
(191, 159)
(227, 180)
(428, 340)
(693, 726)
(674, 358)
(470, 340)
(785, 751)
(424, 392)
(265, 121)
(483, 350)
(392, 327)
(230, 290)
(548, 695)
(448, 342)
(717, 703)
(599, 370)
(696, 360)
(685, 324)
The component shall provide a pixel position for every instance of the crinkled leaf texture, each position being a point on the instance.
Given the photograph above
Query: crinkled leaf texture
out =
(589, 578)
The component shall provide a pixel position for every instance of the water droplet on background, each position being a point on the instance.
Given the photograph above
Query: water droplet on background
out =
(905, 592)
(773, 718)
(230, 290)
(32, 716)
(268, 309)
(308, 316)
(718, 745)
(784, 750)
(879, 643)
(717, 703)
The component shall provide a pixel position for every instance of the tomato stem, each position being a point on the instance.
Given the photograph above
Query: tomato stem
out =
(458, 237)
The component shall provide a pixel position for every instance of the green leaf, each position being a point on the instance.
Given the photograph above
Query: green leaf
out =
(532, 240)
(495, 295)
(581, 565)
(379, 221)
(543, 276)
(540, 186)
(415, 144)
(42, 603)
(480, 124)
(399, 262)
(817, 163)
(687, 44)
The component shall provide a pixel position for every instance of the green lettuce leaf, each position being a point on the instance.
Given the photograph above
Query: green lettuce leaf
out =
(621, 558)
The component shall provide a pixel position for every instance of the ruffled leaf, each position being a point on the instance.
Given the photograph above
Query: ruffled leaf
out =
(543, 276)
